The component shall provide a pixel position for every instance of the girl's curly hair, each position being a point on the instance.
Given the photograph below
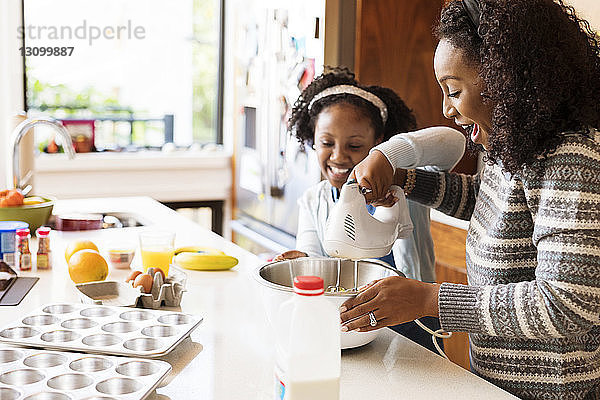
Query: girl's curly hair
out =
(302, 121)
(541, 67)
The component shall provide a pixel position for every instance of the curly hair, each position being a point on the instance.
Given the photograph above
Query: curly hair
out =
(541, 67)
(302, 121)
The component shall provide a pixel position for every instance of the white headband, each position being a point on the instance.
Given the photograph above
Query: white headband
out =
(349, 89)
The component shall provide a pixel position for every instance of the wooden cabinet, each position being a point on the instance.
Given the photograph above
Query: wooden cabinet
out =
(394, 47)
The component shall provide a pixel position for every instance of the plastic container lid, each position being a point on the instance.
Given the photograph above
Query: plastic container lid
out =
(308, 285)
(10, 226)
(23, 232)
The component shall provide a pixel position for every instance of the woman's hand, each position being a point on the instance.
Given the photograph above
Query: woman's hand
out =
(290, 255)
(374, 173)
(392, 301)
(390, 197)
(389, 200)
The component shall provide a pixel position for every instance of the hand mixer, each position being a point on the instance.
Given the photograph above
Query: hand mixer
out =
(351, 232)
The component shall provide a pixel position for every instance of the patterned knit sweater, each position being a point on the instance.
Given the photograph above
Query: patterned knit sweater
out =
(532, 306)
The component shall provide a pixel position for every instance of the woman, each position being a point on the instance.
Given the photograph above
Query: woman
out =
(522, 77)
(342, 120)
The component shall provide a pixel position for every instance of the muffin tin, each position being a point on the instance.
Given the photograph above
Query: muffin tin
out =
(29, 374)
(101, 329)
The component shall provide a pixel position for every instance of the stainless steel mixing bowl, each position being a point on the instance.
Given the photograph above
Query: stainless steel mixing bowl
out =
(276, 281)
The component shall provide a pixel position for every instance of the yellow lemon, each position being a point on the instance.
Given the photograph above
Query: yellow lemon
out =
(77, 245)
(87, 266)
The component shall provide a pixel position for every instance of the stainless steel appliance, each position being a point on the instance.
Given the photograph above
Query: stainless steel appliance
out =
(283, 50)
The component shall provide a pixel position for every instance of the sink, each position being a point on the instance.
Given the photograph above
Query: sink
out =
(120, 220)
(105, 220)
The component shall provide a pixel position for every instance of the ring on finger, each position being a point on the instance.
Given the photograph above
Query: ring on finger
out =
(372, 319)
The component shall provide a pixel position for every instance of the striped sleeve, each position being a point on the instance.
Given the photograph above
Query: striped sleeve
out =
(563, 196)
(451, 193)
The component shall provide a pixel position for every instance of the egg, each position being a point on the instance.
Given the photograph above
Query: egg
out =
(145, 281)
(153, 270)
(133, 275)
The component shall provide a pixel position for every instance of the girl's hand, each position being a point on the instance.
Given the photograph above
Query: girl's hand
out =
(392, 301)
(290, 255)
(375, 174)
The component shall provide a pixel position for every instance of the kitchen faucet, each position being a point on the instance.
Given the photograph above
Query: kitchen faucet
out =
(18, 134)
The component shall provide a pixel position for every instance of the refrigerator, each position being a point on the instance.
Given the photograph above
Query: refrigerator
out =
(276, 50)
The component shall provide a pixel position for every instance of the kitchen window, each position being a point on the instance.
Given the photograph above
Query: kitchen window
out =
(125, 74)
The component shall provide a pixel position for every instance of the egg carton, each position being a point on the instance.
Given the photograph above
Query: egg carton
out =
(164, 293)
(101, 329)
(50, 375)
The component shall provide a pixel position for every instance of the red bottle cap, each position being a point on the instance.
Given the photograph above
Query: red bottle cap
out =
(308, 285)
(23, 232)
(43, 231)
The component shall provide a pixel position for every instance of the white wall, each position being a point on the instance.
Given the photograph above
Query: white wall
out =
(11, 78)
(588, 9)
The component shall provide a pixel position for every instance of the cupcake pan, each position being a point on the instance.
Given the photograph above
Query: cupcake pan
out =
(28, 374)
(100, 329)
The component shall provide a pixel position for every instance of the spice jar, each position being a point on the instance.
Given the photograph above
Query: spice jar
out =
(23, 252)
(44, 255)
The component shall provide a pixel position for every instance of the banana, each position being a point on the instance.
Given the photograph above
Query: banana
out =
(205, 261)
(29, 201)
(199, 249)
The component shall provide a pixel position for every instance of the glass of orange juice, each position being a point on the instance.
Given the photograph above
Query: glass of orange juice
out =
(157, 250)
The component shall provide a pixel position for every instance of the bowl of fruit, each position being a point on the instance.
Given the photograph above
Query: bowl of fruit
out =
(35, 210)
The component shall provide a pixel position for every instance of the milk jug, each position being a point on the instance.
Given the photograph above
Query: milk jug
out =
(308, 344)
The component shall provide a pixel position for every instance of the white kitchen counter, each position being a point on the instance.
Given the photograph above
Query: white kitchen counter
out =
(230, 356)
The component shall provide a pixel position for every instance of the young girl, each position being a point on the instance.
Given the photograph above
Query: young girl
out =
(343, 120)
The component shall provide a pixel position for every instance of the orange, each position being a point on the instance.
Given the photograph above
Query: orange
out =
(11, 197)
(77, 245)
(87, 266)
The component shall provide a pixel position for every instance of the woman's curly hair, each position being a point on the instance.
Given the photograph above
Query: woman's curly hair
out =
(302, 121)
(541, 67)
